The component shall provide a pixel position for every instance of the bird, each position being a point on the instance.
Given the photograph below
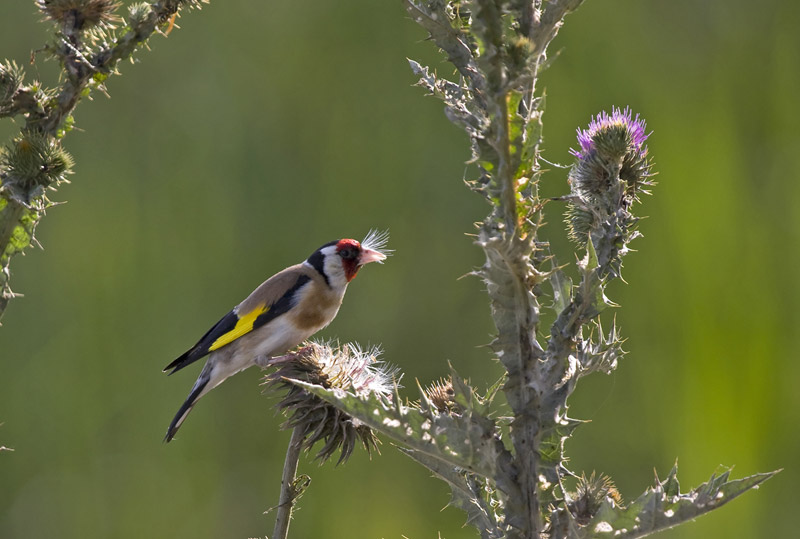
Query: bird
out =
(281, 313)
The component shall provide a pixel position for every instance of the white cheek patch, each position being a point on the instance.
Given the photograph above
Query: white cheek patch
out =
(334, 270)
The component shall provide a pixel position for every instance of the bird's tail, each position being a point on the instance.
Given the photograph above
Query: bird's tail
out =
(187, 406)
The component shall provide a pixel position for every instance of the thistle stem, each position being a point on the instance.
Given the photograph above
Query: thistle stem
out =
(288, 493)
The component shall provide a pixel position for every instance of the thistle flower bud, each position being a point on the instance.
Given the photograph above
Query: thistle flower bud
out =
(347, 368)
(520, 49)
(11, 76)
(31, 163)
(611, 168)
(81, 14)
(138, 14)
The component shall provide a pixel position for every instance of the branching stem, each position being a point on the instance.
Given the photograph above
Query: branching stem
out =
(49, 113)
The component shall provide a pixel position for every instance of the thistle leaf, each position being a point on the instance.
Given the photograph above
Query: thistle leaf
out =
(562, 290)
(468, 441)
(457, 106)
(661, 507)
(433, 18)
(465, 494)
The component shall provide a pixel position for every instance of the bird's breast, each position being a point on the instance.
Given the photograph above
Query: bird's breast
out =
(317, 304)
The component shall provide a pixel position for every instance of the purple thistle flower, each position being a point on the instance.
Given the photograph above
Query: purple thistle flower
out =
(611, 170)
(603, 121)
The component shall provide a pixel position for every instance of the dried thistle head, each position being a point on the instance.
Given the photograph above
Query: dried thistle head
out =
(590, 494)
(347, 368)
(442, 396)
(81, 14)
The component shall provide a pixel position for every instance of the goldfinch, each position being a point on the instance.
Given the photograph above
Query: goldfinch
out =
(285, 310)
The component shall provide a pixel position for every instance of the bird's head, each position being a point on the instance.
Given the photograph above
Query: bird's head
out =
(339, 261)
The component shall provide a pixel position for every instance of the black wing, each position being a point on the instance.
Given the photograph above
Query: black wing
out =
(235, 325)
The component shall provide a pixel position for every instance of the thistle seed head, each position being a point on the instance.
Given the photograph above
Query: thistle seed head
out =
(346, 368)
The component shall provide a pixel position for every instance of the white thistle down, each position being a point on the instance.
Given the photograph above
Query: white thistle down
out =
(355, 369)
(347, 368)
(377, 240)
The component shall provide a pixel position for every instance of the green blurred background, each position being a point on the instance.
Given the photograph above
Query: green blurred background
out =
(260, 130)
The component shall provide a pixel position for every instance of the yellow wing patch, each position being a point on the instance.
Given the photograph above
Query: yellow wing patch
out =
(243, 326)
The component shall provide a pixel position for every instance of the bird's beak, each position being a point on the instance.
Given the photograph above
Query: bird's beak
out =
(369, 255)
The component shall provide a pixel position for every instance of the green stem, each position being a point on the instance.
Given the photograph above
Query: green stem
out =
(288, 492)
(10, 219)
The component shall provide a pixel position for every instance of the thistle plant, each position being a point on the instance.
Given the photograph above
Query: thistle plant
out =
(90, 38)
(346, 369)
(502, 451)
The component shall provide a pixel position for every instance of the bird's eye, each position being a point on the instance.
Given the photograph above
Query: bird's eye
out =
(347, 254)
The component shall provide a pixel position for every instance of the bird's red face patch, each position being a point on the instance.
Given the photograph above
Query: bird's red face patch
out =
(350, 252)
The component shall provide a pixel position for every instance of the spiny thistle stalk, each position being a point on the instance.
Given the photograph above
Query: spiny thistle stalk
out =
(89, 40)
